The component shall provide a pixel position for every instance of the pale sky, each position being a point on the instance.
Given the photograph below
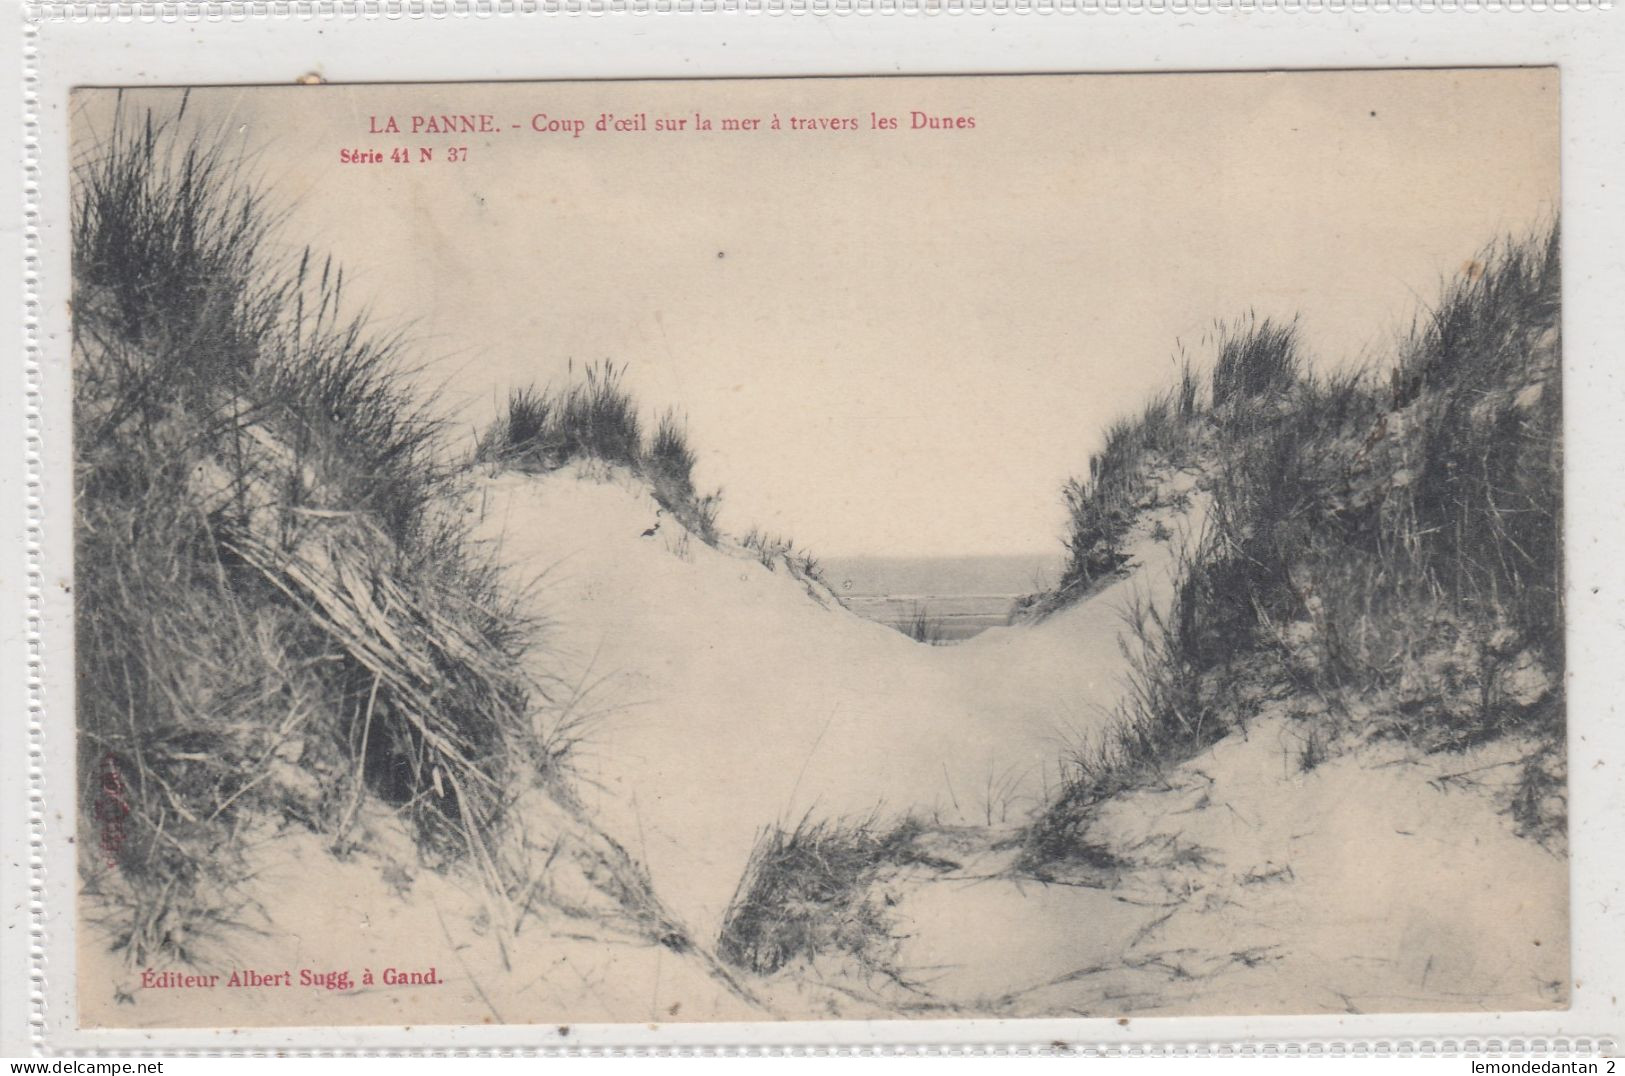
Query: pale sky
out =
(898, 342)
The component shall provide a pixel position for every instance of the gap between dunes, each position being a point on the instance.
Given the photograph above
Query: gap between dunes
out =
(722, 697)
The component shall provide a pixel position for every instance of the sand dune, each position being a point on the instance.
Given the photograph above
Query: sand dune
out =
(733, 700)
(1247, 884)
(718, 698)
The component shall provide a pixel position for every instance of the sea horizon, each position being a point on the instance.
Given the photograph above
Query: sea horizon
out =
(963, 595)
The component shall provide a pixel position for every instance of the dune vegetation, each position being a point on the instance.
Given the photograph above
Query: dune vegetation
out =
(1373, 578)
(922, 627)
(596, 418)
(281, 620)
(282, 617)
(290, 620)
(807, 891)
(1384, 542)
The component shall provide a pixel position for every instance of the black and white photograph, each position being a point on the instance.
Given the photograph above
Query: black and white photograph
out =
(804, 549)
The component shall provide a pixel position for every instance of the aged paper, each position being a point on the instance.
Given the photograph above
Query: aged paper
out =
(825, 548)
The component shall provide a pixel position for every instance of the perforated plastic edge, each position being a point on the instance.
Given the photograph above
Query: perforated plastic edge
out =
(240, 10)
(34, 15)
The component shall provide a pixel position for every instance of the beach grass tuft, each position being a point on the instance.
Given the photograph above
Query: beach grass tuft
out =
(277, 615)
(806, 891)
(922, 627)
(595, 417)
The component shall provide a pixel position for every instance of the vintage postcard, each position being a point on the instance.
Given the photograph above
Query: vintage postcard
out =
(800, 549)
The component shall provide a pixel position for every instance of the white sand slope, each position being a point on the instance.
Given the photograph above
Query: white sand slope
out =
(719, 698)
(312, 914)
(732, 700)
(1246, 885)
(1379, 881)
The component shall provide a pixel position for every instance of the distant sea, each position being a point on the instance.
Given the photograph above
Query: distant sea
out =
(965, 595)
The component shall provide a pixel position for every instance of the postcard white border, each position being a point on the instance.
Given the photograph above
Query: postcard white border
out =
(176, 44)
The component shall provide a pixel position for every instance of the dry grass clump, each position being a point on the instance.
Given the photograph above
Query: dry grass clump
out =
(590, 418)
(1167, 433)
(1256, 368)
(1539, 804)
(1392, 541)
(670, 461)
(922, 627)
(807, 891)
(771, 551)
(274, 618)
(596, 418)
(1413, 523)
(1176, 704)
(1261, 361)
